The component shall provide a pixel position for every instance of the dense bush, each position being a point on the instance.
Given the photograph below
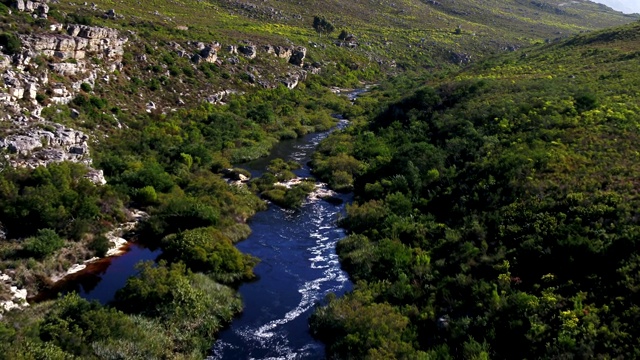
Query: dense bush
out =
(194, 305)
(494, 213)
(56, 197)
(208, 250)
(45, 243)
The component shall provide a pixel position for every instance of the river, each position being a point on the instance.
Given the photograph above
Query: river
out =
(298, 268)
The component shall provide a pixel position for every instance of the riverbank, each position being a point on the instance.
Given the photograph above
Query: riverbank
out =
(118, 244)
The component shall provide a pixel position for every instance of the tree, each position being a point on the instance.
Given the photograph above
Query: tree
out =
(322, 25)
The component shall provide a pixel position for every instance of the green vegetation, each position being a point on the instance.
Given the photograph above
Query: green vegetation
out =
(322, 25)
(11, 43)
(44, 244)
(276, 184)
(54, 213)
(441, 176)
(496, 210)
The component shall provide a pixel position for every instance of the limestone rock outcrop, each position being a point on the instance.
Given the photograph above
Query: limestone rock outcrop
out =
(79, 40)
(38, 8)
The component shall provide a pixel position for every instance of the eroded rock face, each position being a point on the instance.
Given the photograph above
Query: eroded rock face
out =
(79, 41)
(30, 140)
(35, 146)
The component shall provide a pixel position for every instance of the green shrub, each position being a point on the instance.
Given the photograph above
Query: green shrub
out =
(45, 243)
(11, 43)
(99, 245)
(86, 87)
(208, 250)
(147, 195)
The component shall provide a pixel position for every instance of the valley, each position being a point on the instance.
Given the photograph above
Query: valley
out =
(491, 161)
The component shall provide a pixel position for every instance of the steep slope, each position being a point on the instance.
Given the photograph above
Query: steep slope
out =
(496, 212)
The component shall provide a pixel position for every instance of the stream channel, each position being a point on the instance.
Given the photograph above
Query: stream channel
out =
(298, 268)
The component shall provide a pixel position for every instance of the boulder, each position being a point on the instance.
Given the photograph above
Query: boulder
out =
(79, 149)
(5, 61)
(209, 54)
(96, 177)
(16, 92)
(269, 49)
(19, 4)
(291, 82)
(283, 52)
(22, 144)
(298, 55)
(31, 91)
(196, 59)
(42, 10)
(248, 50)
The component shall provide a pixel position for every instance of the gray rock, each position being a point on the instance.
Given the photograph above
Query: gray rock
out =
(20, 5)
(298, 55)
(219, 96)
(22, 144)
(31, 91)
(79, 149)
(75, 113)
(291, 82)
(196, 59)
(65, 69)
(251, 77)
(283, 52)
(248, 50)
(16, 92)
(209, 54)
(96, 177)
(5, 61)
(269, 49)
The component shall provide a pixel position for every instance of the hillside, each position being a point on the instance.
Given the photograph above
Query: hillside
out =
(496, 212)
(111, 107)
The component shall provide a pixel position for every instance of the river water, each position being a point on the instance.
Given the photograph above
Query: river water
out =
(298, 268)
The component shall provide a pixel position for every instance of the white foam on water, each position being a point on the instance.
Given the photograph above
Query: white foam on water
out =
(322, 258)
